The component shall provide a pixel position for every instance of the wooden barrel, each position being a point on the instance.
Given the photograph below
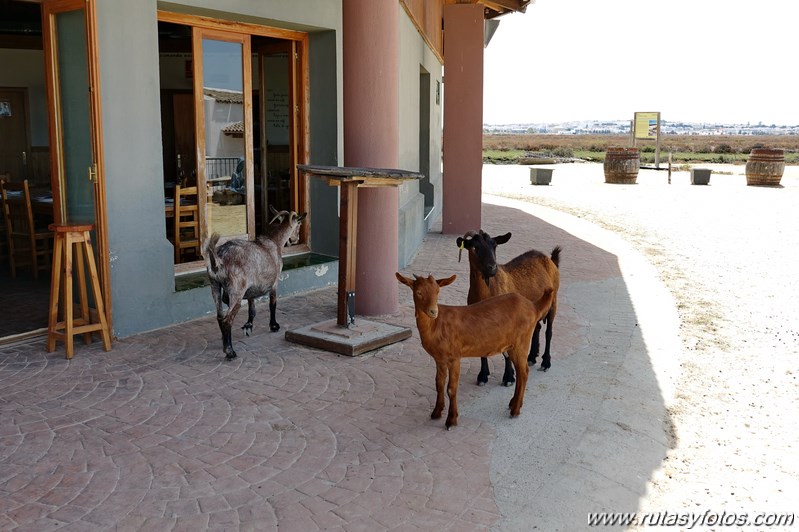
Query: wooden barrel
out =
(765, 166)
(622, 165)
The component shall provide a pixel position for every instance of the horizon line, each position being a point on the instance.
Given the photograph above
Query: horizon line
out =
(618, 120)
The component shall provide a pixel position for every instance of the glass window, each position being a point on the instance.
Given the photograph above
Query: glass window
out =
(232, 97)
(225, 143)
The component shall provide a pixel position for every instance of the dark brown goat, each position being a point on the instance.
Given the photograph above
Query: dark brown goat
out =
(499, 324)
(240, 269)
(530, 274)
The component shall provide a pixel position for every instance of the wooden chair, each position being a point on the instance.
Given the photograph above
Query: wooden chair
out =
(187, 222)
(28, 245)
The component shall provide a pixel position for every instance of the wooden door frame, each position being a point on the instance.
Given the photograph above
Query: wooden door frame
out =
(301, 95)
(51, 8)
(198, 34)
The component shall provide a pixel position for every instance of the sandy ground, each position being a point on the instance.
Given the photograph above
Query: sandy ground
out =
(727, 252)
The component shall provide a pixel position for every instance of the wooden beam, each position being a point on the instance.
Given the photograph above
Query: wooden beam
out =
(496, 8)
(509, 5)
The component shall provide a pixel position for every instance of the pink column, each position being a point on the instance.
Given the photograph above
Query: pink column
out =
(463, 117)
(371, 139)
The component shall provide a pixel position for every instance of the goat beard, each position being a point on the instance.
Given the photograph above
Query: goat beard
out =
(486, 278)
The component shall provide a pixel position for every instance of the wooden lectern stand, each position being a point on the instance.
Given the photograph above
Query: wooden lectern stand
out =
(343, 335)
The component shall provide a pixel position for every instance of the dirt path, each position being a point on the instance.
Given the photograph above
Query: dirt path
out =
(728, 254)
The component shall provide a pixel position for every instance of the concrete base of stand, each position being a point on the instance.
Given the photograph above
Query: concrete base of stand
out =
(358, 338)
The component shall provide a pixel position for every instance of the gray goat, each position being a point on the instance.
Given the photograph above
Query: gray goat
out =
(240, 269)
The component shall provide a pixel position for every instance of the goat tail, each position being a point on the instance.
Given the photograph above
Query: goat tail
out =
(209, 253)
(556, 255)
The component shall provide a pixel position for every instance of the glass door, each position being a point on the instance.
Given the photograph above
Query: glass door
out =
(250, 122)
(69, 34)
(224, 133)
(279, 124)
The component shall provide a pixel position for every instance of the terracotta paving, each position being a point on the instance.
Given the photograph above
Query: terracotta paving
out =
(162, 433)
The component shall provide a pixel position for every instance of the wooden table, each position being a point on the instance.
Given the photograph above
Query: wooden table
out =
(42, 202)
(349, 179)
(342, 335)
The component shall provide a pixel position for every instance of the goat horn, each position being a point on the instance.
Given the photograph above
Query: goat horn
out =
(281, 214)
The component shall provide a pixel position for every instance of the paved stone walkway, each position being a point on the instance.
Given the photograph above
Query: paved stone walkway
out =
(162, 433)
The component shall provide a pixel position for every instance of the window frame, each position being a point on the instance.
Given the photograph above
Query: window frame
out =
(241, 32)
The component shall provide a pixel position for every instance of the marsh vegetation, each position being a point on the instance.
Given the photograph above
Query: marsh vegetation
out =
(529, 148)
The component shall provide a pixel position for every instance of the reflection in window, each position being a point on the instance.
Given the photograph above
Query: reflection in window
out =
(223, 104)
(243, 114)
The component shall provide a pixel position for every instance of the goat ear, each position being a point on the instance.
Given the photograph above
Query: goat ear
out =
(445, 282)
(465, 242)
(404, 280)
(501, 239)
(273, 210)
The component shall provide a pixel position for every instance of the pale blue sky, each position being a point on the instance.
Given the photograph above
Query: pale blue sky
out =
(730, 61)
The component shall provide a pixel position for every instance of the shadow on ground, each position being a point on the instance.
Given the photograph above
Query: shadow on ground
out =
(595, 426)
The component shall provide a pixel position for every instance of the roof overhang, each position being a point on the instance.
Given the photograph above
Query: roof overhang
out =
(497, 8)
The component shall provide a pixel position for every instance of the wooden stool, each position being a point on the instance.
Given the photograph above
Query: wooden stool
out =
(67, 235)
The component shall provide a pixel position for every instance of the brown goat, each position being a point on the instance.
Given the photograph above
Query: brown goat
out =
(530, 274)
(499, 324)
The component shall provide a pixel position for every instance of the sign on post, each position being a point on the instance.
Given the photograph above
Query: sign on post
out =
(646, 126)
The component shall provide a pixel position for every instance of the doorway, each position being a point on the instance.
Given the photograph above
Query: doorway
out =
(47, 47)
(14, 117)
(236, 99)
(24, 155)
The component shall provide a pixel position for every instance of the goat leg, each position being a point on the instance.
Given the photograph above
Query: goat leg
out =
(452, 392)
(521, 383)
(226, 325)
(534, 345)
(508, 377)
(247, 327)
(482, 377)
(441, 375)
(545, 360)
(273, 326)
(227, 338)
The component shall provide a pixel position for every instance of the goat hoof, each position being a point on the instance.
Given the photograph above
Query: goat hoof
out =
(542, 368)
(230, 356)
(274, 327)
(481, 383)
(508, 383)
(247, 328)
